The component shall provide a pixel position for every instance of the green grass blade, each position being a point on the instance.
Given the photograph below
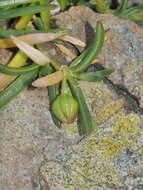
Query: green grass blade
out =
(8, 3)
(133, 10)
(63, 4)
(45, 15)
(122, 7)
(12, 13)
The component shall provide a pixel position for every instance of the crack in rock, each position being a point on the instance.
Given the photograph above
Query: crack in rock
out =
(132, 102)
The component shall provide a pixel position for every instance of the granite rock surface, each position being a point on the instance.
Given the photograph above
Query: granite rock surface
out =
(34, 155)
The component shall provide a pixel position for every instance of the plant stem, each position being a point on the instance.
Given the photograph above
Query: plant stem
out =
(23, 22)
(55, 64)
(45, 14)
(64, 88)
(63, 4)
(18, 60)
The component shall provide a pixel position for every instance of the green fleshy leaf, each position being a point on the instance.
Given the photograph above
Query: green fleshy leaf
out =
(94, 76)
(16, 12)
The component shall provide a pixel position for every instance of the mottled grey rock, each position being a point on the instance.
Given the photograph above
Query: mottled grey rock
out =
(35, 155)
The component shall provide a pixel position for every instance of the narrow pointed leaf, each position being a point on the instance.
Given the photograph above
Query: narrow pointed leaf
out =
(30, 39)
(85, 125)
(73, 40)
(34, 54)
(16, 87)
(49, 80)
(72, 55)
(12, 13)
(94, 76)
(88, 55)
(66, 51)
(8, 3)
(17, 71)
(8, 33)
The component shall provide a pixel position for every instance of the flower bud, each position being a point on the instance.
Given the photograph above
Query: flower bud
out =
(65, 108)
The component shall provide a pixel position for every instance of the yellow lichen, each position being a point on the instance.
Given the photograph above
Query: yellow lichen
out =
(109, 110)
(131, 67)
(127, 124)
(105, 146)
(109, 147)
(88, 174)
(91, 163)
(141, 88)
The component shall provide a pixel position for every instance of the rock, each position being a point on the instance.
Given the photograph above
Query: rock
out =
(22, 140)
(36, 155)
(101, 160)
(5, 56)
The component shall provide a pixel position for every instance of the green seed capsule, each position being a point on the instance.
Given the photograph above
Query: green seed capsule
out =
(65, 108)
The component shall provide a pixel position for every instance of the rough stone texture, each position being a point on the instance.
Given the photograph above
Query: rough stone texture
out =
(5, 56)
(35, 155)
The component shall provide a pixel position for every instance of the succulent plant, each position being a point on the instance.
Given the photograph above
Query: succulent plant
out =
(67, 102)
